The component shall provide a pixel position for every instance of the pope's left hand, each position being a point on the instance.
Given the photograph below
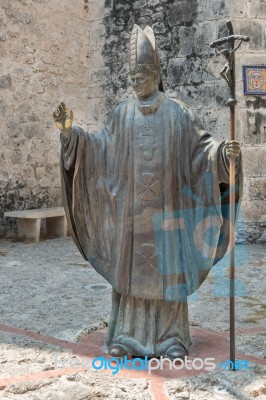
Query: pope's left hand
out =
(232, 148)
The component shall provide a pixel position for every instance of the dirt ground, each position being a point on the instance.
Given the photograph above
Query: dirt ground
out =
(47, 289)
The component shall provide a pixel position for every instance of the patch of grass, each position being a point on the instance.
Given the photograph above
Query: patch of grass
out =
(261, 313)
(251, 320)
(250, 298)
(253, 304)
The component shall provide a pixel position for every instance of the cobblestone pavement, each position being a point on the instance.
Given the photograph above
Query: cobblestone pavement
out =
(51, 299)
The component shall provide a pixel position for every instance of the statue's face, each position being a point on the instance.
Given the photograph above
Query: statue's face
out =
(145, 84)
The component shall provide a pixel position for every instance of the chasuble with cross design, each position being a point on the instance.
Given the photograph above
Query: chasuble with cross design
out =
(147, 198)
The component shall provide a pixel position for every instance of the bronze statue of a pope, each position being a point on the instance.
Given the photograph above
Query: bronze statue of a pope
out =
(146, 200)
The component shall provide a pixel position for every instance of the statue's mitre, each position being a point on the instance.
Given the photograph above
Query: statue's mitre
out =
(143, 50)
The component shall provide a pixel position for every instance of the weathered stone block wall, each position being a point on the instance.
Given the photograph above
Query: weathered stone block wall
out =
(44, 58)
(250, 19)
(78, 52)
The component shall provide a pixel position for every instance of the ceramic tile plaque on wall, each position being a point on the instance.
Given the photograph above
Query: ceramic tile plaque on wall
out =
(254, 78)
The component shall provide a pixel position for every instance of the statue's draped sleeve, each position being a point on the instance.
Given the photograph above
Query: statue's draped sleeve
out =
(86, 195)
(96, 194)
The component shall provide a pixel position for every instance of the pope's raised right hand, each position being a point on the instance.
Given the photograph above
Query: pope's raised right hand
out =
(63, 117)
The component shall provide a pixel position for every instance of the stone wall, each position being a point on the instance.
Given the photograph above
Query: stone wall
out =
(44, 58)
(250, 19)
(78, 52)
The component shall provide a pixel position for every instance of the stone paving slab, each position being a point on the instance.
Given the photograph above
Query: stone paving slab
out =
(52, 301)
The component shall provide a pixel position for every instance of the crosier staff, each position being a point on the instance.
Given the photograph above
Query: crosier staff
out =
(228, 73)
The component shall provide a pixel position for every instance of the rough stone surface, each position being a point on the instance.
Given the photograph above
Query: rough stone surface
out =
(78, 52)
(251, 117)
(48, 288)
(42, 62)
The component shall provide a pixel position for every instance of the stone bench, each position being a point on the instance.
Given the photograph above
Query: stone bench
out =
(29, 222)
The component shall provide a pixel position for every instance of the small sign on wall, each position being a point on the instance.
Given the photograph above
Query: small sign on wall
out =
(254, 78)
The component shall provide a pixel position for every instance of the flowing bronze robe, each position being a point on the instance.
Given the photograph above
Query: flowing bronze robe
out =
(147, 201)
